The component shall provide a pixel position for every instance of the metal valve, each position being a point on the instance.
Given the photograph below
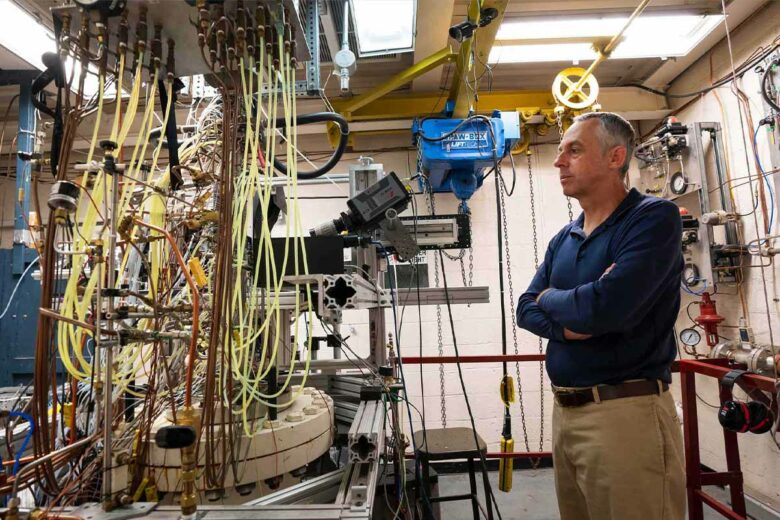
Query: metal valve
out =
(717, 218)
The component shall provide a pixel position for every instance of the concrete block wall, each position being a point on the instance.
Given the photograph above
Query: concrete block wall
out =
(477, 327)
(759, 453)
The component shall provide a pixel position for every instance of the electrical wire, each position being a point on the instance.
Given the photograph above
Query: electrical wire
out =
(463, 385)
(765, 179)
(16, 287)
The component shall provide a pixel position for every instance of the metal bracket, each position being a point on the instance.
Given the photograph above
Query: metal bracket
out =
(94, 511)
(366, 437)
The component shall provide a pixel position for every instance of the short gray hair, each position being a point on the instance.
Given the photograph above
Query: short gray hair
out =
(615, 131)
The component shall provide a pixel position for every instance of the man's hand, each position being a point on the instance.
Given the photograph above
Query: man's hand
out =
(607, 271)
(575, 336)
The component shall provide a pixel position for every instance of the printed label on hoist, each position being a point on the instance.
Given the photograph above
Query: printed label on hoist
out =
(465, 140)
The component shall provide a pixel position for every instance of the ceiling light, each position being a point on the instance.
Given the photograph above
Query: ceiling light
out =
(384, 26)
(649, 36)
(23, 35)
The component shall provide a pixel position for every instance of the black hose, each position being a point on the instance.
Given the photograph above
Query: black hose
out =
(318, 117)
(765, 91)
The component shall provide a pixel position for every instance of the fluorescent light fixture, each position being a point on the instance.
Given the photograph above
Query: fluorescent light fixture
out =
(649, 36)
(384, 26)
(28, 39)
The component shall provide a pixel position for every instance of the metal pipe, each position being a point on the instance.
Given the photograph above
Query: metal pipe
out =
(108, 408)
(37, 462)
(604, 53)
(715, 132)
(59, 317)
(712, 369)
(195, 296)
(345, 27)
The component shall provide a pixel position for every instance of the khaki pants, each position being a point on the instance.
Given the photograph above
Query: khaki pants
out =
(619, 460)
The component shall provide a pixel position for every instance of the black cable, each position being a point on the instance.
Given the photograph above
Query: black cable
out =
(764, 84)
(444, 136)
(319, 117)
(170, 130)
(676, 96)
(463, 384)
(514, 177)
(399, 358)
(506, 431)
(745, 67)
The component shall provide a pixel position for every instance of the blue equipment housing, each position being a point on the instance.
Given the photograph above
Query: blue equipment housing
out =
(456, 152)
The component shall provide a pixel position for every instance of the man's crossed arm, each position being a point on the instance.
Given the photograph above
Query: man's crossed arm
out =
(645, 255)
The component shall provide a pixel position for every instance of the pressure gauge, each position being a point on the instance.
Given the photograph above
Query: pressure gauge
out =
(690, 275)
(678, 184)
(690, 337)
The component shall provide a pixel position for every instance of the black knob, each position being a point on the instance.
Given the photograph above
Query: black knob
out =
(108, 145)
(174, 437)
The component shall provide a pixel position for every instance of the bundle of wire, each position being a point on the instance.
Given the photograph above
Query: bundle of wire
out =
(149, 295)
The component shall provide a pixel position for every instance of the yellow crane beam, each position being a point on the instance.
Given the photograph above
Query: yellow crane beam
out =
(407, 106)
(473, 57)
(348, 108)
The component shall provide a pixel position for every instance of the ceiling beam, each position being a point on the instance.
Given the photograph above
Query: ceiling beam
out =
(347, 108)
(637, 103)
(433, 22)
(329, 29)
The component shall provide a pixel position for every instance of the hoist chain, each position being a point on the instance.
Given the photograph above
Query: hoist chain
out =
(466, 283)
(508, 264)
(559, 120)
(536, 266)
(440, 340)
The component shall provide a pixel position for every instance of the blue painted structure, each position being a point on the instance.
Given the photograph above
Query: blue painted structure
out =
(19, 327)
(455, 153)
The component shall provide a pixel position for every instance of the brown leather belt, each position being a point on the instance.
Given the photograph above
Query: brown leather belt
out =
(580, 397)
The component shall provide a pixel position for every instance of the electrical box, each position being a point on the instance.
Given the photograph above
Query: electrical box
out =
(456, 152)
(673, 165)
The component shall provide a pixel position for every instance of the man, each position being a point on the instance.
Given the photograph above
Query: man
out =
(607, 296)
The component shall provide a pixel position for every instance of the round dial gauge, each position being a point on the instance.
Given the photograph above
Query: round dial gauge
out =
(690, 275)
(678, 184)
(690, 337)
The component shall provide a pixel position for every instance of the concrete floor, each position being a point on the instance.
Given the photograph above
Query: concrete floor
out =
(532, 496)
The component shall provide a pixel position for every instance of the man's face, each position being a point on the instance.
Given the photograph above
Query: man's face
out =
(583, 165)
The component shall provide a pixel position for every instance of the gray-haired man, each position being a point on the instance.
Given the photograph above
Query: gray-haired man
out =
(607, 297)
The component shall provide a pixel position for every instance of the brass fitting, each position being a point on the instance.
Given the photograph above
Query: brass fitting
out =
(141, 30)
(171, 61)
(60, 216)
(96, 250)
(13, 509)
(157, 45)
(122, 33)
(189, 498)
(125, 227)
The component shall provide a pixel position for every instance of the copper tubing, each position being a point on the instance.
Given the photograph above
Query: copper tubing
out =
(195, 307)
(48, 457)
(59, 317)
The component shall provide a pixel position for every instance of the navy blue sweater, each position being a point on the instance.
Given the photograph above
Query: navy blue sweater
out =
(630, 312)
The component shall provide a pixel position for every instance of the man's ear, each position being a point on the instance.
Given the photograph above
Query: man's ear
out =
(617, 157)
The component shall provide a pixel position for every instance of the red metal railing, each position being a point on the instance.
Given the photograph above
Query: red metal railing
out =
(696, 477)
